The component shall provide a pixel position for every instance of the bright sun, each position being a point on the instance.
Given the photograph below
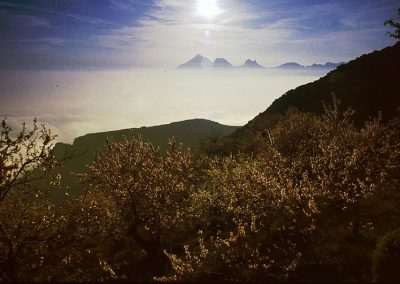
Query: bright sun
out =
(208, 8)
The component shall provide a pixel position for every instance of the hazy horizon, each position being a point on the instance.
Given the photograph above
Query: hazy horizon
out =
(74, 103)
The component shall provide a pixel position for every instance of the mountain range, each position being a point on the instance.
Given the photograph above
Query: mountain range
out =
(221, 63)
(201, 62)
(297, 66)
(197, 62)
(251, 64)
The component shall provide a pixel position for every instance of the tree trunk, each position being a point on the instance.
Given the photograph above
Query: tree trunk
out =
(157, 259)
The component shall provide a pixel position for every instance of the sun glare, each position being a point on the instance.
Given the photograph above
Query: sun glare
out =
(208, 8)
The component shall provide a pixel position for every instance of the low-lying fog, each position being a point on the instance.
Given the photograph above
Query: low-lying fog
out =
(74, 103)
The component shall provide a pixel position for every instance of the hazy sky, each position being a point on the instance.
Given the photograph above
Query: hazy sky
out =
(109, 34)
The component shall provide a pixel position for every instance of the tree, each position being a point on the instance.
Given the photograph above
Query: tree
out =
(24, 158)
(396, 25)
(297, 210)
(150, 190)
(41, 241)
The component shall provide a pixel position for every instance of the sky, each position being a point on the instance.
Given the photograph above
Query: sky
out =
(116, 34)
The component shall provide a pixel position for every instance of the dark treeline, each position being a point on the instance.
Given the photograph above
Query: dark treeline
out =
(318, 200)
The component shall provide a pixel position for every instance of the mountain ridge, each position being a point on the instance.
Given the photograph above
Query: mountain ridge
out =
(201, 62)
(221, 63)
(295, 65)
(198, 122)
(367, 84)
(198, 61)
(251, 64)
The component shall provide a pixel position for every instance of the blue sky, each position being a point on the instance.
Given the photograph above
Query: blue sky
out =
(112, 34)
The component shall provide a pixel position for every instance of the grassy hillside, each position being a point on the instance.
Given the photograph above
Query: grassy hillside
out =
(368, 84)
(190, 132)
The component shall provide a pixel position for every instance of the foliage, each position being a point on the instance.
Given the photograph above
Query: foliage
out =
(150, 191)
(24, 158)
(396, 25)
(38, 240)
(298, 205)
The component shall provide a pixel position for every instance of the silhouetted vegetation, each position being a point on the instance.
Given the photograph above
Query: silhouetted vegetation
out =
(396, 25)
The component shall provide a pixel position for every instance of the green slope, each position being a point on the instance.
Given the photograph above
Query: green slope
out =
(368, 84)
(190, 132)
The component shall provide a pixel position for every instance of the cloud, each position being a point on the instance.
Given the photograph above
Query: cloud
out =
(27, 20)
(171, 32)
(48, 40)
(174, 25)
(129, 4)
(53, 12)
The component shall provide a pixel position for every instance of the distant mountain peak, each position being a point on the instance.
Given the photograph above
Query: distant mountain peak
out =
(221, 63)
(199, 56)
(290, 65)
(198, 61)
(328, 65)
(252, 64)
(295, 65)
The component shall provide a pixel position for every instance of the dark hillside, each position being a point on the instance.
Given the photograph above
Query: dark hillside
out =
(368, 84)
